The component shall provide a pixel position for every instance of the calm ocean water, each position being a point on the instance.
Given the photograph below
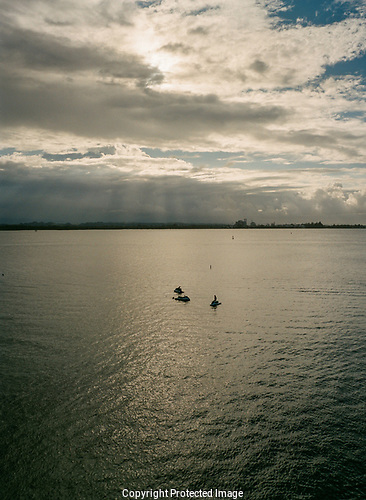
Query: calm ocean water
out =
(109, 387)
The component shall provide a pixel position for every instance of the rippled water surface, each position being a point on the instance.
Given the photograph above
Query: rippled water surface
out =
(107, 384)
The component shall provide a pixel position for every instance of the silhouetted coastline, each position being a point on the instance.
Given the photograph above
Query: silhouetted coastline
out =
(35, 226)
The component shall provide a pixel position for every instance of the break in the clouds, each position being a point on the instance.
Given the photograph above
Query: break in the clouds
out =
(189, 111)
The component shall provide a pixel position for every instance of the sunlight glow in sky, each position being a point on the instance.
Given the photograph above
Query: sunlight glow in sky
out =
(189, 110)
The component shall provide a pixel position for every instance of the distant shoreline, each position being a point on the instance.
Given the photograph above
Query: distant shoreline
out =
(35, 226)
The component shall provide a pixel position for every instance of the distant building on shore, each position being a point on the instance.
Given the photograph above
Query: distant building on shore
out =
(241, 223)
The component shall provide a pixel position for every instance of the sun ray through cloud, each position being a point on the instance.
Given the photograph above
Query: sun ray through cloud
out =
(255, 100)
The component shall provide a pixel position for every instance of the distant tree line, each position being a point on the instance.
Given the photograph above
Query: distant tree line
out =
(240, 224)
(108, 225)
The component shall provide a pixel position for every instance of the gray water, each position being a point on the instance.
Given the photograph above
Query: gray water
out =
(109, 387)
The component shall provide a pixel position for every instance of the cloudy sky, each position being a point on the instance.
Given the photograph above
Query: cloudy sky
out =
(183, 110)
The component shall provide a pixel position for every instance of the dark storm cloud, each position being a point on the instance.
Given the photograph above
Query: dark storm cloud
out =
(346, 143)
(113, 111)
(175, 76)
(69, 194)
(81, 193)
(26, 49)
(69, 104)
(308, 138)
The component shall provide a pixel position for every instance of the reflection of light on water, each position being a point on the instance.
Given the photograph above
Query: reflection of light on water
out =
(121, 385)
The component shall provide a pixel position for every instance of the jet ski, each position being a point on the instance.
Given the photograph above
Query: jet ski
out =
(185, 298)
(215, 303)
(178, 290)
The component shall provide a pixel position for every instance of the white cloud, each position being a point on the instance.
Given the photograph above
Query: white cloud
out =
(189, 75)
(129, 186)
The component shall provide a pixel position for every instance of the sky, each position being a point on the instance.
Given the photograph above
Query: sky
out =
(183, 111)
